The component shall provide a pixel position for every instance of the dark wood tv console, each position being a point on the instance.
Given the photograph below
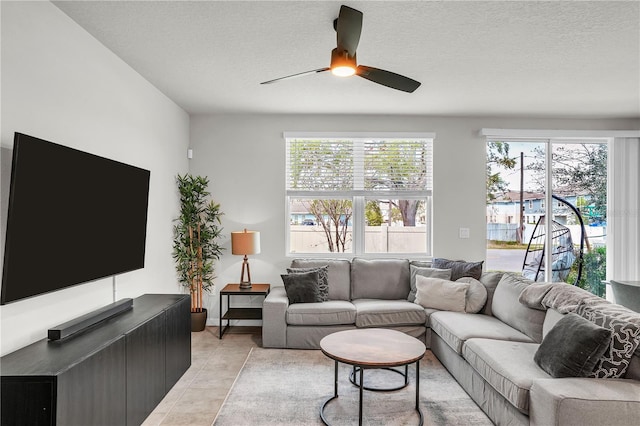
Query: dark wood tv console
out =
(114, 373)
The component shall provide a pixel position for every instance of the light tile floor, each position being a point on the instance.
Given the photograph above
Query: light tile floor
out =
(215, 364)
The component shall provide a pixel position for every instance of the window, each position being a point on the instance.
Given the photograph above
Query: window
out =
(359, 194)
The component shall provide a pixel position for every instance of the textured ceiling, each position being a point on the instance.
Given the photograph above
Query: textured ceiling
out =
(509, 58)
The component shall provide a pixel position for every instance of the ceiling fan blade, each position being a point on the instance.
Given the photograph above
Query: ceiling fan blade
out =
(349, 27)
(388, 78)
(300, 74)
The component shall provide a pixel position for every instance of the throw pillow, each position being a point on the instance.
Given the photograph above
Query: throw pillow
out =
(323, 280)
(440, 294)
(302, 287)
(459, 268)
(572, 347)
(508, 309)
(476, 295)
(490, 281)
(445, 274)
(625, 339)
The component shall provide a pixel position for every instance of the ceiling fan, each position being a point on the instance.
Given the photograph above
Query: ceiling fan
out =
(348, 27)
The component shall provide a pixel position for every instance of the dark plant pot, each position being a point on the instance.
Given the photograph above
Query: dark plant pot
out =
(198, 320)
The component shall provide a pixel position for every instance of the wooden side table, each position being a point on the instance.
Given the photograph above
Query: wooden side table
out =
(241, 313)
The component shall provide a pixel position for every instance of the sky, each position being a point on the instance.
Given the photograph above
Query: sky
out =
(512, 176)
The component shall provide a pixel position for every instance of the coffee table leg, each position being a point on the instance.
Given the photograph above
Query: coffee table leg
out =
(335, 381)
(418, 392)
(406, 374)
(361, 389)
(335, 394)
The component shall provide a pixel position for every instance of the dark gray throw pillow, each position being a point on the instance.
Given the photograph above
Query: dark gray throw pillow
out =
(572, 347)
(302, 287)
(323, 280)
(459, 268)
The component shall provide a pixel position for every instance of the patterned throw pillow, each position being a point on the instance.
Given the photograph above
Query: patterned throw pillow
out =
(323, 280)
(624, 341)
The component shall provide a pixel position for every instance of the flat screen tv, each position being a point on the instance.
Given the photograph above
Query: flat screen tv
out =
(73, 217)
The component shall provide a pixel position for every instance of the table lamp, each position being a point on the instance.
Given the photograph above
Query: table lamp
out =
(244, 243)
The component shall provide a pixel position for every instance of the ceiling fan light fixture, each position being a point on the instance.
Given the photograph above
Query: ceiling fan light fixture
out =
(343, 71)
(342, 64)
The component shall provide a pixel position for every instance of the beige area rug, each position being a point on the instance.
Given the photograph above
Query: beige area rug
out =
(288, 387)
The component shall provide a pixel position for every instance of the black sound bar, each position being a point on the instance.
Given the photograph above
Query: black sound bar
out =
(79, 324)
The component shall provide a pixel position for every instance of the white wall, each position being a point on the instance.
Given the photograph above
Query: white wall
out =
(60, 84)
(243, 156)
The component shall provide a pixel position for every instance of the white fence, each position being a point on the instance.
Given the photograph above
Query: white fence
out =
(378, 239)
(597, 235)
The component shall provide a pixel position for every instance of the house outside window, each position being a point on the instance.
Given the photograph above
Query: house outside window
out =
(359, 194)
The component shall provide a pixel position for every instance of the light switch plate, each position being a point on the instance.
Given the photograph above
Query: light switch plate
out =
(464, 232)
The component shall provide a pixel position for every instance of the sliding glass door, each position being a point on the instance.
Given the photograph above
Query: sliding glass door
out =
(546, 209)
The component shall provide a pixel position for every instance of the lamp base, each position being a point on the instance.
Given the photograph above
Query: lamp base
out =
(245, 285)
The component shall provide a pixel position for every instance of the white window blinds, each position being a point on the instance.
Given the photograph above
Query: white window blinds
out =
(361, 165)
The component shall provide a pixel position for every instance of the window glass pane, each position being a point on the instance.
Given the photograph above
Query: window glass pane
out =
(397, 165)
(320, 165)
(395, 226)
(579, 174)
(508, 234)
(320, 225)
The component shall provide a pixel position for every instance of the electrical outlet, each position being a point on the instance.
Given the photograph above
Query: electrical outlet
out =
(464, 232)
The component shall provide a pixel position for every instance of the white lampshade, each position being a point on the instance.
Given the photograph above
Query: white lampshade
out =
(245, 242)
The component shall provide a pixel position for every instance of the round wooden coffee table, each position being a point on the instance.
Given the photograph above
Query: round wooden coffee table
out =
(371, 348)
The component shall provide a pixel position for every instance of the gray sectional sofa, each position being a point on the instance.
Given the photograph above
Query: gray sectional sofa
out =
(490, 353)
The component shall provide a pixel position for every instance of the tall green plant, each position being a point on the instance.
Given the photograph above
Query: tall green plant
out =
(195, 237)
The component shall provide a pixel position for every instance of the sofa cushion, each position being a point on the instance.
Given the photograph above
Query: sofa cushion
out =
(508, 308)
(581, 401)
(333, 312)
(507, 366)
(476, 295)
(490, 281)
(388, 279)
(323, 280)
(572, 347)
(625, 339)
(388, 313)
(562, 297)
(338, 276)
(459, 268)
(441, 294)
(445, 274)
(428, 312)
(457, 327)
(302, 287)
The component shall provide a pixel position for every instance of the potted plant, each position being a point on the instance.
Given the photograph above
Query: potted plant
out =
(195, 242)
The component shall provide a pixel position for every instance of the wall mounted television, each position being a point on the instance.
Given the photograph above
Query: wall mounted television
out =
(73, 217)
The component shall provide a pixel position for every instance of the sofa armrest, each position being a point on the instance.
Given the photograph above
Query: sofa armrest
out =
(274, 321)
(584, 401)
